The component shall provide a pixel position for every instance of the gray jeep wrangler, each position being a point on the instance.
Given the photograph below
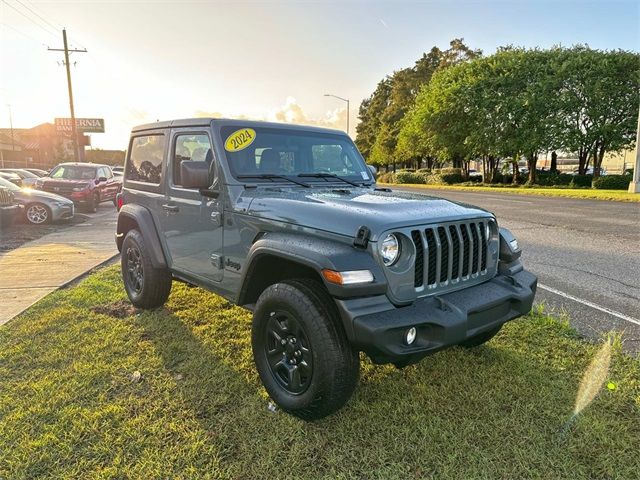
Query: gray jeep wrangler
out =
(288, 222)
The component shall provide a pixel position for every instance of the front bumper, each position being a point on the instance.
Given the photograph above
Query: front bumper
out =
(62, 213)
(377, 327)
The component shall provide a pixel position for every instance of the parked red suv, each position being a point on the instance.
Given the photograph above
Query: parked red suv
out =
(87, 184)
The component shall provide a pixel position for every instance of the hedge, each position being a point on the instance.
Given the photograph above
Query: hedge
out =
(612, 182)
(581, 181)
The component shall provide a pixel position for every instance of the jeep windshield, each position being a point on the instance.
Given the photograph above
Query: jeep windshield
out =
(73, 172)
(263, 154)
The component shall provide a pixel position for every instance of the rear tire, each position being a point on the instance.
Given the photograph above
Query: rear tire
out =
(301, 352)
(481, 338)
(146, 286)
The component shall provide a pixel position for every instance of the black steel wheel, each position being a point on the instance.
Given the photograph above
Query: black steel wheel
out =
(301, 352)
(146, 285)
(288, 352)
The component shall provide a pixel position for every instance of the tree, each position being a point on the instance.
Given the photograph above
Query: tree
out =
(598, 102)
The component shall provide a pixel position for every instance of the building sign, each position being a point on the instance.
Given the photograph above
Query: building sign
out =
(83, 125)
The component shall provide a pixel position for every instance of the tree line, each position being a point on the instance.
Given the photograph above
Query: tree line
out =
(456, 105)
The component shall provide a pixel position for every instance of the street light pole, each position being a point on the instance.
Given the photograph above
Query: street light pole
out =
(634, 186)
(344, 100)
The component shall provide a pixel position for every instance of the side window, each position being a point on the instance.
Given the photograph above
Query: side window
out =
(108, 173)
(191, 147)
(145, 161)
(102, 172)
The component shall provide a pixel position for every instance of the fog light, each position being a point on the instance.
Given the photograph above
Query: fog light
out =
(410, 336)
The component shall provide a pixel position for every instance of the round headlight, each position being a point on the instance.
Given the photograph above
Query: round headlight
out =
(390, 250)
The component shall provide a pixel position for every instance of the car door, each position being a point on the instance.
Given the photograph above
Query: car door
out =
(112, 184)
(191, 222)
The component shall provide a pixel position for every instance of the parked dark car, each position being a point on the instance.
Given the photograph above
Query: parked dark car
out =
(86, 184)
(40, 207)
(12, 177)
(38, 172)
(28, 178)
(9, 208)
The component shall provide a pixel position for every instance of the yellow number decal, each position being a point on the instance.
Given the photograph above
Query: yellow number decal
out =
(240, 139)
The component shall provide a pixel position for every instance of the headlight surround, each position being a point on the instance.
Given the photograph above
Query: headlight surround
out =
(390, 249)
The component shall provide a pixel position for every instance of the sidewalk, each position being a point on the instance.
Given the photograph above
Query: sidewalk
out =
(39, 267)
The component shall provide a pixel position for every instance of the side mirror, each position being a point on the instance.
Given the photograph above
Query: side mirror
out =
(374, 171)
(194, 174)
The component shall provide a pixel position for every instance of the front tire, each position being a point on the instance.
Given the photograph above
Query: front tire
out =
(301, 352)
(92, 206)
(146, 286)
(37, 214)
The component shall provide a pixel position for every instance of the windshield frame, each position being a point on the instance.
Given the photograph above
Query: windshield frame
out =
(358, 162)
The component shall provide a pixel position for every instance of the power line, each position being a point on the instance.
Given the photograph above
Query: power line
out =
(56, 28)
(30, 19)
(52, 21)
(22, 33)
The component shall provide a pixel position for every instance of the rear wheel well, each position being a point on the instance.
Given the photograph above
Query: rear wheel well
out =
(125, 223)
(269, 269)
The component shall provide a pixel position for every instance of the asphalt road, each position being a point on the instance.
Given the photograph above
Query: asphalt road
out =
(586, 254)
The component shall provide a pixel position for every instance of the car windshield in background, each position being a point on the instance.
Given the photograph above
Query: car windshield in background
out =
(74, 172)
(280, 152)
(7, 184)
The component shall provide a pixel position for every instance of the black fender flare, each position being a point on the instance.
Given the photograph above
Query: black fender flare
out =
(317, 254)
(141, 217)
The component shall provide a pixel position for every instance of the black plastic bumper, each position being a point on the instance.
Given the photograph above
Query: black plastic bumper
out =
(377, 327)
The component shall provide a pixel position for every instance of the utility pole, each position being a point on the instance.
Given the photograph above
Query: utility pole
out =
(13, 143)
(74, 131)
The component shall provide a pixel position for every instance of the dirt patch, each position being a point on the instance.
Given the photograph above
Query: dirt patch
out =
(119, 309)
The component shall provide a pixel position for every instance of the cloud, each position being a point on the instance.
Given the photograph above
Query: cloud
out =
(290, 112)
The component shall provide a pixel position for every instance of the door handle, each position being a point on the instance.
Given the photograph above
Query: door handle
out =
(171, 208)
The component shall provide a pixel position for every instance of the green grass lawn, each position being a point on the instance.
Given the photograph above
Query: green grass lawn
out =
(588, 193)
(70, 409)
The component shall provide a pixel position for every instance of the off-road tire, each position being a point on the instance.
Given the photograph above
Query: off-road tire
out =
(155, 284)
(481, 338)
(335, 364)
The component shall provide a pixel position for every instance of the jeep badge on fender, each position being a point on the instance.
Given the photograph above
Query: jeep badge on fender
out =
(329, 264)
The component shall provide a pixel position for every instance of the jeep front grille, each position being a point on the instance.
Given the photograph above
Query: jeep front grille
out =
(450, 254)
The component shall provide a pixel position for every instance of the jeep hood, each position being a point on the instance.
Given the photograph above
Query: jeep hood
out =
(344, 211)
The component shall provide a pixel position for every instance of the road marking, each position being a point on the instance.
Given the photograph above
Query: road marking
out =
(591, 304)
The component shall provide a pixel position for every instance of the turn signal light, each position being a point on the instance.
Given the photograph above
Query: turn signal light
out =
(347, 278)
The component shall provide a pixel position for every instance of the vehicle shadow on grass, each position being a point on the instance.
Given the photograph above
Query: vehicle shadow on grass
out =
(494, 405)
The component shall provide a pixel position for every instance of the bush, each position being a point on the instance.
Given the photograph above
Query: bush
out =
(549, 179)
(424, 171)
(581, 181)
(409, 177)
(475, 179)
(388, 177)
(612, 182)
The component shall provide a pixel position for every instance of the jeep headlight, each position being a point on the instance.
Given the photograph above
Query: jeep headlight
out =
(390, 250)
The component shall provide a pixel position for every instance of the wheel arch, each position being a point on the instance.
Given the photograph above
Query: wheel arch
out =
(274, 257)
(140, 218)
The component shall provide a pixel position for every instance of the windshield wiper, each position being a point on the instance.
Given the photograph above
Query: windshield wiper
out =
(327, 176)
(271, 176)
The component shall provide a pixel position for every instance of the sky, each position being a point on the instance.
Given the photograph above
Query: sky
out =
(268, 60)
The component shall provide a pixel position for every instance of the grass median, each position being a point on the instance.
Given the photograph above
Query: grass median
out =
(585, 193)
(72, 407)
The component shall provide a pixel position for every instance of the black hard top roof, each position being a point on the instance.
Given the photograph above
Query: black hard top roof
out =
(205, 122)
